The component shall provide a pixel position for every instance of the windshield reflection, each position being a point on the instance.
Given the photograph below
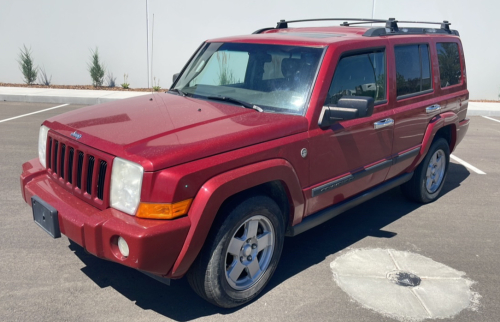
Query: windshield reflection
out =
(274, 77)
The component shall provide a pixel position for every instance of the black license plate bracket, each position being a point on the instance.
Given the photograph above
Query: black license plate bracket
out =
(46, 217)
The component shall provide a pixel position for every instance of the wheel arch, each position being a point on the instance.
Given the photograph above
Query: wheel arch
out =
(443, 125)
(449, 133)
(275, 178)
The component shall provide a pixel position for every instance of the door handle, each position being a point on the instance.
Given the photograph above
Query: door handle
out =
(383, 123)
(433, 108)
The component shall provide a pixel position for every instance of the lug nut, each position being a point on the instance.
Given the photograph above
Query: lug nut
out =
(248, 241)
(249, 258)
(241, 259)
(254, 246)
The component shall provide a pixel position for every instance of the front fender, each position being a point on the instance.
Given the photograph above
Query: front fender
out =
(215, 191)
(436, 123)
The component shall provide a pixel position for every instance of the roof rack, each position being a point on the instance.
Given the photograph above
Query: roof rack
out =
(391, 26)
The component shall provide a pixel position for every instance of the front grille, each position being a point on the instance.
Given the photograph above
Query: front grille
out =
(80, 169)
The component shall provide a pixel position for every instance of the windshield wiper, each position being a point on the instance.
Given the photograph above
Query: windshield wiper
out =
(236, 101)
(178, 91)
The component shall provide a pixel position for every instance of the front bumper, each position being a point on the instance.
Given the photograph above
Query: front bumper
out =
(154, 244)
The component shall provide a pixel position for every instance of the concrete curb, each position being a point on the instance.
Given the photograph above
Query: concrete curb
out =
(63, 96)
(484, 109)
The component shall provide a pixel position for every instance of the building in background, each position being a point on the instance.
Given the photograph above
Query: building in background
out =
(61, 33)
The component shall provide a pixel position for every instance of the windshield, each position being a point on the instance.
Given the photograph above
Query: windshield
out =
(275, 78)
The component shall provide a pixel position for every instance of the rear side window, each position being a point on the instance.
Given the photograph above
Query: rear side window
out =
(413, 69)
(359, 75)
(449, 63)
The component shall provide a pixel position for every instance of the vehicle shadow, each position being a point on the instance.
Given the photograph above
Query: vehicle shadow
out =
(179, 302)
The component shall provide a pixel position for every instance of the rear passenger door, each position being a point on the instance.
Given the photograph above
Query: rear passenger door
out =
(415, 101)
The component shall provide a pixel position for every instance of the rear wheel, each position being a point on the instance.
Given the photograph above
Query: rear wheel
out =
(429, 177)
(240, 254)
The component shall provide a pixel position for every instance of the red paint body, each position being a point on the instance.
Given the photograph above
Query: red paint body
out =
(191, 148)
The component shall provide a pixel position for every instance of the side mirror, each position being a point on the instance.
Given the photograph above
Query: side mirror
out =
(347, 108)
(174, 78)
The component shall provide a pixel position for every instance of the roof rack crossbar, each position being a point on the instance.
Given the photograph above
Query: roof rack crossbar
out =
(284, 23)
(390, 23)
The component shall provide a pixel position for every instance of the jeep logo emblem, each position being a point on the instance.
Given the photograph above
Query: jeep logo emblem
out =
(76, 135)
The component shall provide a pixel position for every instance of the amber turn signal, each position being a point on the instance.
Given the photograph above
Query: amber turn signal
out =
(163, 210)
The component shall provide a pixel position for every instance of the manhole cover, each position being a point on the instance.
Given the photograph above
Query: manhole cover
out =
(404, 278)
(403, 285)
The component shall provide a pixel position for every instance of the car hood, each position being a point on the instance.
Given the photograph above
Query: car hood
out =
(163, 130)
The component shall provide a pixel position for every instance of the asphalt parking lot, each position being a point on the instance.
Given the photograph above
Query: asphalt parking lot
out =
(45, 279)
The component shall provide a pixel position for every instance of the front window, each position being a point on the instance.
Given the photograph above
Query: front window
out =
(275, 78)
(359, 75)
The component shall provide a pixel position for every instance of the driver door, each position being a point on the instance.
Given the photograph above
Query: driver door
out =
(352, 155)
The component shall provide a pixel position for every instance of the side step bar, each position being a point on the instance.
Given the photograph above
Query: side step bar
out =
(326, 214)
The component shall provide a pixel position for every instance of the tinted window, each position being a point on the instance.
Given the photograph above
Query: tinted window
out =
(359, 75)
(426, 68)
(413, 69)
(449, 63)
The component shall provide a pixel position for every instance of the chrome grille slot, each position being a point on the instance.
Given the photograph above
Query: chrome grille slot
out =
(56, 147)
(90, 172)
(100, 179)
(79, 170)
(70, 165)
(63, 152)
(49, 154)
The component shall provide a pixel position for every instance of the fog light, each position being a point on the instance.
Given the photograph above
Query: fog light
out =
(123, 246)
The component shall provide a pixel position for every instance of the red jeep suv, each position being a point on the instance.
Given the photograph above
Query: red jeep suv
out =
(261, 136)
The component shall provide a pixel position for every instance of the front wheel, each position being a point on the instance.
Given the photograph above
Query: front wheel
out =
(240, 254)
(429, 177)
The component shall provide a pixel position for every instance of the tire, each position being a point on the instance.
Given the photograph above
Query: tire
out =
(241, 252)
(429, 177)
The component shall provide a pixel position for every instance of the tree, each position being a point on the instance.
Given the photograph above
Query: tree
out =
(26, 65)
(96, 69)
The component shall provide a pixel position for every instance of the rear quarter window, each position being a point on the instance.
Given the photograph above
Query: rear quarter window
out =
(450, 72)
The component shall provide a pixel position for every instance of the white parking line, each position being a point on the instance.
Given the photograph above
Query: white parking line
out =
(467, 165)
(47, 109)
(489, 118)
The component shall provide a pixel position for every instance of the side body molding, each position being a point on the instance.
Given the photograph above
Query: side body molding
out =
(213, 193)
(436, 123)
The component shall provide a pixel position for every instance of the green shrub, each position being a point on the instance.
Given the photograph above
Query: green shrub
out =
(125, 81)
(96, 69)
(26, 64)
(110, 80)
(43, 79)
(156, 85)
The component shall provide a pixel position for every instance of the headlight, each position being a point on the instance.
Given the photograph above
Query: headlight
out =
(126, 184)
(42, 144)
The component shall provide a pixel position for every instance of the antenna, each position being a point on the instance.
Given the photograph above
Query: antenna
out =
(152, 43)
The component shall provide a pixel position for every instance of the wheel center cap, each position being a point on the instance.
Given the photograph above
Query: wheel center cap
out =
(247, 250)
